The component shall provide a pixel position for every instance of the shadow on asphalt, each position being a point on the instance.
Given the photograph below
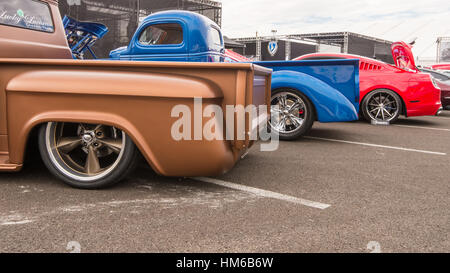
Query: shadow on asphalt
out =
(35, 173)
(416, 122)
(334, 133)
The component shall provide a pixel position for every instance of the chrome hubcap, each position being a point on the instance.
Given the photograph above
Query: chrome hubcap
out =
(87, 139)
(288, 112)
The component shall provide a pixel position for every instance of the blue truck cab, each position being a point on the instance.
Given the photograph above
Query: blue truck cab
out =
(302, 91)
(174, 36)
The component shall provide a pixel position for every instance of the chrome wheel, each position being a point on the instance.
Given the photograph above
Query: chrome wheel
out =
(383, 106)
(84, 152)
(288, 112)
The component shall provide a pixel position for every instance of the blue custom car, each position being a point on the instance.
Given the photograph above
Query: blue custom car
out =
(302, 91)
(306, 91)
(174, 36)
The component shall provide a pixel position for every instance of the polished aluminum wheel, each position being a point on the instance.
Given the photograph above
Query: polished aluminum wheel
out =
(288, 112)
(84, 152)
(382, 106)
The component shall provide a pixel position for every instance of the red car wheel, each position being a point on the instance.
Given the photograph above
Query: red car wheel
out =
(381, 105)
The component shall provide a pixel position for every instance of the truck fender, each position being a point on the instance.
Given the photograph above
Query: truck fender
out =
(70, 96)
(329, 103)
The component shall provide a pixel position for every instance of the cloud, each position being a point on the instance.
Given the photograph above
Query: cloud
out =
(385, 19)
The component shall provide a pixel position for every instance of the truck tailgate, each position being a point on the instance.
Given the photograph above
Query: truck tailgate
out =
(253, 95)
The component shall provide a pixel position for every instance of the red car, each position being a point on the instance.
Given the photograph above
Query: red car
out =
(441, 66)
(388, 91)
(232, 56)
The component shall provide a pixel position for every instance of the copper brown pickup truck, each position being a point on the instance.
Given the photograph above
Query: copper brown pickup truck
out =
(94, 117)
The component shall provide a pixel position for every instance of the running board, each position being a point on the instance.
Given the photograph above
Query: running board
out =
(5, 166)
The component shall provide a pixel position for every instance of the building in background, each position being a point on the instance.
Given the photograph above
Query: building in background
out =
(122, 17)
(280, 47)
(443, 50)
(291, 46)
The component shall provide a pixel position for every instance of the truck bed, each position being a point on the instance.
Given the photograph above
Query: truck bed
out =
(136, 97)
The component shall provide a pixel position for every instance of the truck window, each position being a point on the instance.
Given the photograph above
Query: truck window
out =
(162, 34)
(215, 36)
(31, 14)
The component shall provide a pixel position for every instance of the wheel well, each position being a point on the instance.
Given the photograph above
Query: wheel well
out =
(31, 145)
(404, 112)
(309, 100)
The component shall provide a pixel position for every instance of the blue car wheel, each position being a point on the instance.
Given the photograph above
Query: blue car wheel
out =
(292, 114)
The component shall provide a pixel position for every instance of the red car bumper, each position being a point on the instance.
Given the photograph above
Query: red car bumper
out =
(424, 103)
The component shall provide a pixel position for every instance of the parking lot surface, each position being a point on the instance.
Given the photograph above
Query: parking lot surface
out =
(347, 187)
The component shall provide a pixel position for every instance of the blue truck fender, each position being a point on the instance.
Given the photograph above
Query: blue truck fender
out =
(329, 103)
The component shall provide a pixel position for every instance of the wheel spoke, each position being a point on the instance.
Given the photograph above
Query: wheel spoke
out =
(296, 105)
(281, 125)
(92, 164)
(68, 144)
(296, 120)
(114, 144)
(98, 127)
(387, 112)
(282, 100)
(379, 110)
(375, 109)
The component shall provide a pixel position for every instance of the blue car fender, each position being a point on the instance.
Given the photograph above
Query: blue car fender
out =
(329, 103)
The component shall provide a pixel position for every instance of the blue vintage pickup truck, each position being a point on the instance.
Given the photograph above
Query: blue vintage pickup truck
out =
(302, 91)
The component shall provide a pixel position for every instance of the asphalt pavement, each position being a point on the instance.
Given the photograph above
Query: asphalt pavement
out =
(383, 189)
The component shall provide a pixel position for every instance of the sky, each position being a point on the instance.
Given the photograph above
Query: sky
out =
(386, 19)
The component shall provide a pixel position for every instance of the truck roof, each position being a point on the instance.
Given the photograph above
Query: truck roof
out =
(187, 16)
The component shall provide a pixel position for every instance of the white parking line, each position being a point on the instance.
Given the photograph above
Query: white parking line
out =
(433, 117)
(422, 127)
(264, 193)
(376, 145)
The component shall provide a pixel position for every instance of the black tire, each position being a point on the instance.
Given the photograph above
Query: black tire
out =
(381, 105)
(308, 115)
(58, 163)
